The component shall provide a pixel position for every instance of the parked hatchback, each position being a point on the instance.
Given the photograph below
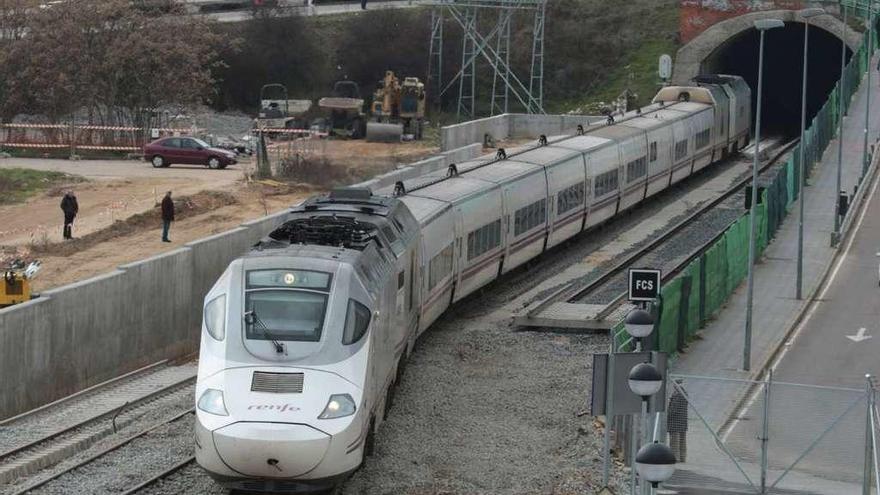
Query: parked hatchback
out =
(163, 152)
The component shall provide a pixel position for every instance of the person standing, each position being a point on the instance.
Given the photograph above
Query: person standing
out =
(363, 4)
(70, 207)
(167, 215)
(677, 421)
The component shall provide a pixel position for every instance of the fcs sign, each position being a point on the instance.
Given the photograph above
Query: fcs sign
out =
(644, 284)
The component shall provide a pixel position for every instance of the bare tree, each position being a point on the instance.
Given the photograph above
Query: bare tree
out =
(109, 58)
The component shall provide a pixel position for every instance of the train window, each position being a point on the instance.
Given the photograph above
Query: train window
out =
(484, 239)
(653, 152)
(606, 183)
(636, 169)
(681, 149)
(440, 267)
(570, 197)
(529, 217)
(292, 315)
(288, 279)
(396, 244)
(702, 139)
(357, 320)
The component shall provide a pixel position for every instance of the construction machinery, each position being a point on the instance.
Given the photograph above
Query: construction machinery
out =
(397, 109)
(15, 287)
(279, 112)
(346, 110)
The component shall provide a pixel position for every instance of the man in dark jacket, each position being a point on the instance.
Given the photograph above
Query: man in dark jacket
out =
(167, 215)
(677, 421)
(70, 208)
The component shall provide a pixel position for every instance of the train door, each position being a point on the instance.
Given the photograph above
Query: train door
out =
(458, 261)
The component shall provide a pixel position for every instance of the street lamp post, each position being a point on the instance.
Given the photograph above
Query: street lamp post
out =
(638, 324)
(761, 25)
(655, 463)
(644, 380)
(840, 110)
(806, 15)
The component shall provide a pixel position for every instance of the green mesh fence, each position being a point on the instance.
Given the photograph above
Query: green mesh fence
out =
(693, 322)
(702, 288)
(669, 316)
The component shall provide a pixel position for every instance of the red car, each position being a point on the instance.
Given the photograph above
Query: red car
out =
(163, 152)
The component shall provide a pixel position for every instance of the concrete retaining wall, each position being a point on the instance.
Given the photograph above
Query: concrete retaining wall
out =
(423, 167)
(458, 135)
(81, 334)
(511, 125)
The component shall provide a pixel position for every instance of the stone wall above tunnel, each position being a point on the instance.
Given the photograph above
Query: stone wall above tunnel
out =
(690, 57)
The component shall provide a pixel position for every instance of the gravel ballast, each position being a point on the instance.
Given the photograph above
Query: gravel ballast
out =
(129, 465)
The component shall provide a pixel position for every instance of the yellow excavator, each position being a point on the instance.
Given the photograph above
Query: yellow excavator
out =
(398, 108)
(15, 287)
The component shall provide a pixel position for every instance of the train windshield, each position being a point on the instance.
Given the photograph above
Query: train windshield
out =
(286, 305)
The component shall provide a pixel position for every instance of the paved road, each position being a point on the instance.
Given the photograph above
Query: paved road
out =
(117, 169)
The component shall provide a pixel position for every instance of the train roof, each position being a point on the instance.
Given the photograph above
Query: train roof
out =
(546, 155)
(584, 143)
(349, 199)
(332, 253)
(645, 123)
(618, 132)
(454, 189)
(504, 171)
(424, 209)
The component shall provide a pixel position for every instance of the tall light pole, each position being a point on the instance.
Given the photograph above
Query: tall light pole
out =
(868, 85)
(806, 15)
(840, 123)
(761, 25)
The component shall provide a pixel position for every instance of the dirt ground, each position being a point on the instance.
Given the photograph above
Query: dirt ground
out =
(118, 220)
(116, 189)
(146, 241)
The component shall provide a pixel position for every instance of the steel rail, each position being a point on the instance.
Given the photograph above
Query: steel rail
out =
(164, 474)
(135, 404)
(103, 452)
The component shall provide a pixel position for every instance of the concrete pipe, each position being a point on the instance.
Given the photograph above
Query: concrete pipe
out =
(384, 133)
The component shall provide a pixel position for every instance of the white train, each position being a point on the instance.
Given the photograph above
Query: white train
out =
(304, 336)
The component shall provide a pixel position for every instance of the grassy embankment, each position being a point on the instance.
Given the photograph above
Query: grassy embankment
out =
(19, 184)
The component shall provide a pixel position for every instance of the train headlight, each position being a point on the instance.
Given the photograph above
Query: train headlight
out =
(211, 402)
(339, 406)
(215, 317)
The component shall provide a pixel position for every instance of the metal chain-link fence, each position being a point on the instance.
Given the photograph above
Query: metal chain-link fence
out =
(775, 438)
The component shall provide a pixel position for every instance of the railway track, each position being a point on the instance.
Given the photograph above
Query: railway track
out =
(164, 474)
(43, 437)
(115, 446)
(608, 289)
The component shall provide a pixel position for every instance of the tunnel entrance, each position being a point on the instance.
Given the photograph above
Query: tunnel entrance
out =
(783, 59)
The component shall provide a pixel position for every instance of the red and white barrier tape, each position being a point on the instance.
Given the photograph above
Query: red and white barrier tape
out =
(80, 147)
(291, 131)
(99, 128)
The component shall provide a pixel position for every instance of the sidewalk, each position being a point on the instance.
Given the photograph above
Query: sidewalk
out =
(775, 308)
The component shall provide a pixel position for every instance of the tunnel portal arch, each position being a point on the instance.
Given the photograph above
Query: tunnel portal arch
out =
(690, 58)
(731, 47)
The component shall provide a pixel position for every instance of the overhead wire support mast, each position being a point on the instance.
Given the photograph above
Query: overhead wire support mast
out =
(494, 47)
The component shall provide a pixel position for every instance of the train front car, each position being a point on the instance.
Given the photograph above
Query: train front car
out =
(295, 346)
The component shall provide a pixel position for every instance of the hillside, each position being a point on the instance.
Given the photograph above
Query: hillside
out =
(594, 50)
